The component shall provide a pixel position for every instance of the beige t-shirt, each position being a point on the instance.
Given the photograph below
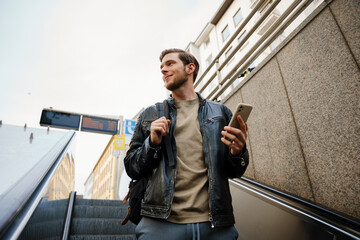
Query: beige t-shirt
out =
(191, 198)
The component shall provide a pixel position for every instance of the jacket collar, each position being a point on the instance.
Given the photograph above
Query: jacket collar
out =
(201, 99)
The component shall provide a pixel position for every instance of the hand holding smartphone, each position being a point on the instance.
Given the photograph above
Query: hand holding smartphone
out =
(244, 111)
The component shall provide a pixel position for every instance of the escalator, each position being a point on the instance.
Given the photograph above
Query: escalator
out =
(85, 219)
(36, 195)
(37, 201)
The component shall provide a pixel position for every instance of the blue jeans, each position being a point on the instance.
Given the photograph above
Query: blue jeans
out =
(156, 229)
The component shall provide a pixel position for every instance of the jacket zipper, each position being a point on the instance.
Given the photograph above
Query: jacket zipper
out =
(211, 220)
(211, 120)
(175, 168)
(173, 193)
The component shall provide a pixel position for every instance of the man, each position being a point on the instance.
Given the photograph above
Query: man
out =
(190, 200)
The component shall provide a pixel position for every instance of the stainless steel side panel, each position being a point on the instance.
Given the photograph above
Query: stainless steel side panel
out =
(258, 216)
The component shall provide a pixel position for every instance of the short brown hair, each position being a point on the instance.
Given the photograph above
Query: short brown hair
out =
(184, 56)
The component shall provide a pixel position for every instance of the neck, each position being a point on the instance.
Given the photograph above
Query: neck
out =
(185, 92)
(181, 96)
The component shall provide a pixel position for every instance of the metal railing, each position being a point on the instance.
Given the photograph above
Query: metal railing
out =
(69, 212)
(242, 64)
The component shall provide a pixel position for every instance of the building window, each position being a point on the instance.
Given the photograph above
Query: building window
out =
(241, 38)
(225, 33)
(228, 52)
(208, 60)
(237, 17)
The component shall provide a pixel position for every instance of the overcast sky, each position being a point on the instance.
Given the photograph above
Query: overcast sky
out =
(87, 56)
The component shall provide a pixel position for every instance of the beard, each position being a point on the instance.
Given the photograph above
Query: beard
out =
(177, 83)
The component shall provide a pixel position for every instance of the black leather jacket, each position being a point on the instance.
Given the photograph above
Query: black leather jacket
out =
(144, 161)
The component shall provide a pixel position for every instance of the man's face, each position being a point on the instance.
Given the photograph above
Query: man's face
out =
(173, 70)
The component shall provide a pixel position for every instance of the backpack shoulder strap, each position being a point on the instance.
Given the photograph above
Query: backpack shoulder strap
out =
(163, 110)
(160, 108)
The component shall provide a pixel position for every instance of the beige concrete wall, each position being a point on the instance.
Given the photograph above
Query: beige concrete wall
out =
(304, 131)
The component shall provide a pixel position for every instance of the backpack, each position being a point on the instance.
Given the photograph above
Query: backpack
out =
(137, 188)
(134, 196)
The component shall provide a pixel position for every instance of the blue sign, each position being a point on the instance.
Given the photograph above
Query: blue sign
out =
(129, 127)
(56, 118)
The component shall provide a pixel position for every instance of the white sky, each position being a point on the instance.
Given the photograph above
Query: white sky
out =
(87, 56)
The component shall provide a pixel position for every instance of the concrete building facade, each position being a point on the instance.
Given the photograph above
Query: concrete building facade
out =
(63, 180)
(88, 186)
(105, 174)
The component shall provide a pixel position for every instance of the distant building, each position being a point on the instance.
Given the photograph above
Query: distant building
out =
(106, 174)
(63, 180)
(108, 180)
(88, 186)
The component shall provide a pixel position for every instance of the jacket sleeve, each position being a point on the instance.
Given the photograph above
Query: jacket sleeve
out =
(235, 165)
(141, 158)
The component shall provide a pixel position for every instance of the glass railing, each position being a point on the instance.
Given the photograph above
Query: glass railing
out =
(37, 172)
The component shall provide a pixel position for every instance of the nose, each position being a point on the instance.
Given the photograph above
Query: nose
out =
(164, 70)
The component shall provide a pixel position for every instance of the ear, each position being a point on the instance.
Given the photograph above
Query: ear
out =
(190, 68)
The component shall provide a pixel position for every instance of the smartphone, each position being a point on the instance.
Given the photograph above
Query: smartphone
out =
(244, 110)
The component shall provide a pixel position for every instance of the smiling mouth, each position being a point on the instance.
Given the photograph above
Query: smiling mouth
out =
(166, 77)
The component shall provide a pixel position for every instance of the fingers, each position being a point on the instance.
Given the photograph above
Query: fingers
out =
(235, 145)
(235, 138)
(161, 125)
(158, 129)
(233, 141)
(241, 123)
(234, 134)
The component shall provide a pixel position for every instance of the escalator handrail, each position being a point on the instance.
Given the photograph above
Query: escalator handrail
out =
(69, 211)
(20, 201)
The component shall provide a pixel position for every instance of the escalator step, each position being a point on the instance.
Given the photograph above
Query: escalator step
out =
(100, 226)
(97, 202)
(103, 237)
(85, 211)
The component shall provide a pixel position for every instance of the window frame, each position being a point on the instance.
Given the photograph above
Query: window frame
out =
(228, 33)
(239, 10)
(239, 39)
(208, 60)
(229, 51)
